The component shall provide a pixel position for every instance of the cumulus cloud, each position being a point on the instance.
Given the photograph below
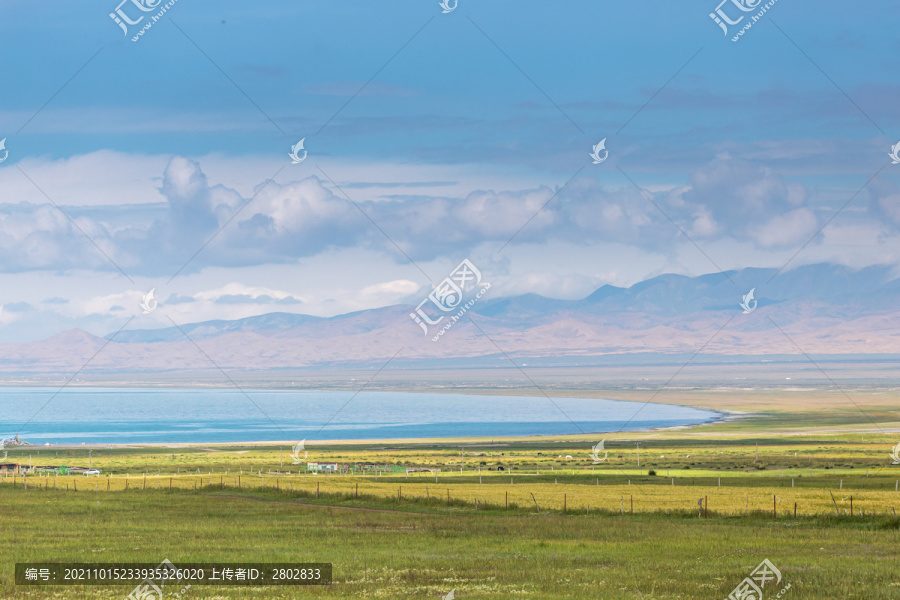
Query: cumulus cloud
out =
(884, 200)
(213, 225)
(746, 201)
(42, 237)
(786, 229)
(238, 293)
(389, 292)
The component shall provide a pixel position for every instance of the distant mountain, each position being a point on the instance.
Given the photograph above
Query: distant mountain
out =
(261, 324)
(817, 309)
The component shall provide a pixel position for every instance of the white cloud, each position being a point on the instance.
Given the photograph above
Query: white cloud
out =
(792, 228)
(235, 289)
(389, 292)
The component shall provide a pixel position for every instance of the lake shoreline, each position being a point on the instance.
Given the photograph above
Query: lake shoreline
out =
(98, 418)
(474, 441)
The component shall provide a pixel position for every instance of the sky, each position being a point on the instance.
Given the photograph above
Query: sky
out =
(430, 137)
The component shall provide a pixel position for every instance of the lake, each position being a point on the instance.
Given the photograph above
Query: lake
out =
(125, 415)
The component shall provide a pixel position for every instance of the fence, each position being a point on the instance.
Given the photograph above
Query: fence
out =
(629, 498)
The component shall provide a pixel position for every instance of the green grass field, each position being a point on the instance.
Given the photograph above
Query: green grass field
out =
(546, 526)
(424, 551)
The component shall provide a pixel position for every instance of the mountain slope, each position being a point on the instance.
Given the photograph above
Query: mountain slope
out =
(818, 309)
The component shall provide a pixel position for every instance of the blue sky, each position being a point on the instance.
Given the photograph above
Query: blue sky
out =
(467, 124)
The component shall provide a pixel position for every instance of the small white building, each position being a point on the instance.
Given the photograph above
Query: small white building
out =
(321, 467)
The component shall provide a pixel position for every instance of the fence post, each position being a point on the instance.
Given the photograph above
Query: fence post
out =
(317, 490)
(795, 510)
(632, 504)
(564, 502)
(507, 500)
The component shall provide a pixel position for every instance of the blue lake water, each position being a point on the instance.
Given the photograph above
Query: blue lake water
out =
(125, 415)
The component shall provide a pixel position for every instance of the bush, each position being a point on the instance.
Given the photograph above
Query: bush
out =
(651, 473)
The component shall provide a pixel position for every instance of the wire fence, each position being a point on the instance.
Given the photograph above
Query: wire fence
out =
(724, 497)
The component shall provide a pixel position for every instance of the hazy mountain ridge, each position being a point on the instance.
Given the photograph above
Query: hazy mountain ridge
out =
(818, 309)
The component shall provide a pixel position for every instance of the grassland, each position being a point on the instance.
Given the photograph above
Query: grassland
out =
(424, 551)
(545, 526)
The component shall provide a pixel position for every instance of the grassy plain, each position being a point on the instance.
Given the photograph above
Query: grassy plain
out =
(546, 526)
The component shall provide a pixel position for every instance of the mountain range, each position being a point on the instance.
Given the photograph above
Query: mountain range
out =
(822, 309)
